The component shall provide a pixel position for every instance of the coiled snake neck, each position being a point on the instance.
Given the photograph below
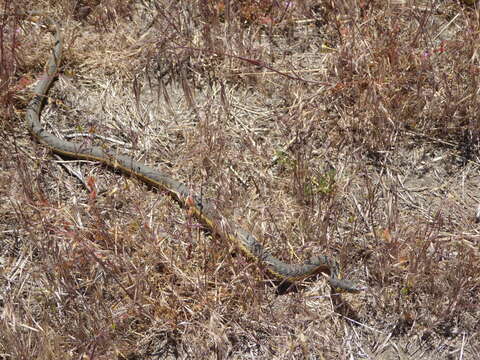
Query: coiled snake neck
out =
(201, 209)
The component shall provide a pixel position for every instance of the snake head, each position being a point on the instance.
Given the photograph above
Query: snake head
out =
(342, 285)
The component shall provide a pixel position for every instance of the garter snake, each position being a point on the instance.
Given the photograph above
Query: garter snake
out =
(201, 209)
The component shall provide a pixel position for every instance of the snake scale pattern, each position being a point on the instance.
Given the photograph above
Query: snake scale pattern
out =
(205, 213)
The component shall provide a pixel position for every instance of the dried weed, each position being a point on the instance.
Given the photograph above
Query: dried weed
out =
(338, 127)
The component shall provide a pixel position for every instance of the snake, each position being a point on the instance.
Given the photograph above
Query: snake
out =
(200, 208)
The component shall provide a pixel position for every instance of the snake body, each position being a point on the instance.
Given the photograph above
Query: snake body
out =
(201, 209)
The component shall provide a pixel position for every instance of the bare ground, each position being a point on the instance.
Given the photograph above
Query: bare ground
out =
(342, 128)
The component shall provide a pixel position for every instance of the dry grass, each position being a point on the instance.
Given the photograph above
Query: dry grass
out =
(338, 127)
